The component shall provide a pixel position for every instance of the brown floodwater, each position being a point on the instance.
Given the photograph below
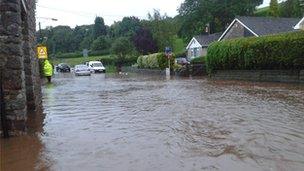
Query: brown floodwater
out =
(108, 122)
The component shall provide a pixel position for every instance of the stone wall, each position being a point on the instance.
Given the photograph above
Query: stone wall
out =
(18, 62)
(287, 76)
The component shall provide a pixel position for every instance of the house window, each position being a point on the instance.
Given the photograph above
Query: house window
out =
(195, 52)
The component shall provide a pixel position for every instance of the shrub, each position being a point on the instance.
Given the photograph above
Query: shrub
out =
(284, 51)
(108, 60)
(99, 52)
(163, 60)
(199, 60)
(154, 61)
(68, 55)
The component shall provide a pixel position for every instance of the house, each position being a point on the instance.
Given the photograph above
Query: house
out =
(244, 27)
(300, 25)
(259, 26)
(199, 44)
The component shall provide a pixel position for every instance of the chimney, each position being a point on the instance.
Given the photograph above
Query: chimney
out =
(207, 28)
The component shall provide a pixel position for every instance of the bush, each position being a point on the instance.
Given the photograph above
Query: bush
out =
(154, 61)
(285, 51)
(181, 54)
(68, 55)
(199, 60)
(108, 60)
(163, 60)
(99, 52)
(79, 54)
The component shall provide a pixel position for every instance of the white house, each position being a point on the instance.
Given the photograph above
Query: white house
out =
(199, 44)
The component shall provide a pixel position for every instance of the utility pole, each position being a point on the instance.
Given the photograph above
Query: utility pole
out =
(39, 24)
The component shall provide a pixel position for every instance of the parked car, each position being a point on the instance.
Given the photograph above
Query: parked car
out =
(63, 68)
(96, 67)
(82, 70)
(182, 61)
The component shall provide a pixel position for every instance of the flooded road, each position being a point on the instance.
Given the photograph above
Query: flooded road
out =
(151, 123)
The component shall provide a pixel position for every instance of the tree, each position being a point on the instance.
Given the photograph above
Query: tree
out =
(274, 8)
(101, 43)
(99, 28)
(196, 14)
(125, 28)
(144, 42)
(163, 29)
(292, 8)
(122, 47)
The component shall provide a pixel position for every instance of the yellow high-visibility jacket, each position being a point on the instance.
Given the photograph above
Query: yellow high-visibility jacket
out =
(47, 69)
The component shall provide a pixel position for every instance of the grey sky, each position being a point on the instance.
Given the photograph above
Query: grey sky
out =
(76, 12)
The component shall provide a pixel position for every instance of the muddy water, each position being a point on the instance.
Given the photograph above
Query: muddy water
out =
(151, 123)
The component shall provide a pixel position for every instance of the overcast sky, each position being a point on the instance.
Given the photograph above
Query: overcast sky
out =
(72, 12)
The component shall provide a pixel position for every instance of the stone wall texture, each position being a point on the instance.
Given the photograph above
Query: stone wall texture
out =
(18, 62)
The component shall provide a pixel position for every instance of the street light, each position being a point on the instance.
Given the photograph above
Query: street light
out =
(44, 18)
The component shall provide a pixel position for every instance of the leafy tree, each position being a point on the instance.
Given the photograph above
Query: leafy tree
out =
(62, 37)
(144, 42)
(86, 42)
(125, 28)
(122, 47)
(292, 8)
(99, 27)
(101, 43)
(196, 14)
(274, 8)
(163, 29)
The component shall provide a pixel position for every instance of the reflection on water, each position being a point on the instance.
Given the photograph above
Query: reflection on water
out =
(151, 123)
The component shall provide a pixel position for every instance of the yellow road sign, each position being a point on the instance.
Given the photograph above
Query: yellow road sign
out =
(42, 52)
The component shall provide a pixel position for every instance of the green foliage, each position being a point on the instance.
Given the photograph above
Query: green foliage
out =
(291, 8)
(101, 43)
(196, 14)
(163, 60)
(274, 8)
(178, 45)
(199, 60)
(262, 12)
(125, 28)
(99, 28)
(122, 47)
(163, 29)
(68, 55)
(154, 61)
(288, 8)
(283, 51)
(99, 52)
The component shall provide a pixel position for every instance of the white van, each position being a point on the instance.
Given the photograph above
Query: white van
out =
(96, 67)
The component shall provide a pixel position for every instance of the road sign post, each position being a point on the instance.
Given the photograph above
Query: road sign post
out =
(168, 52)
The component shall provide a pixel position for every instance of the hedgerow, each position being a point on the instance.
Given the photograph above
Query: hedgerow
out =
(154, 61)
(284, 51)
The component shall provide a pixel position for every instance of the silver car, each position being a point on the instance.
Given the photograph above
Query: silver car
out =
(82, 70)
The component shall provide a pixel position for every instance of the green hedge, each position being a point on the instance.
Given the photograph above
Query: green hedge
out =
(284, 51)
(68, 55)
(79, 54)
(199, 60)
(113, 60)
(154, 61)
